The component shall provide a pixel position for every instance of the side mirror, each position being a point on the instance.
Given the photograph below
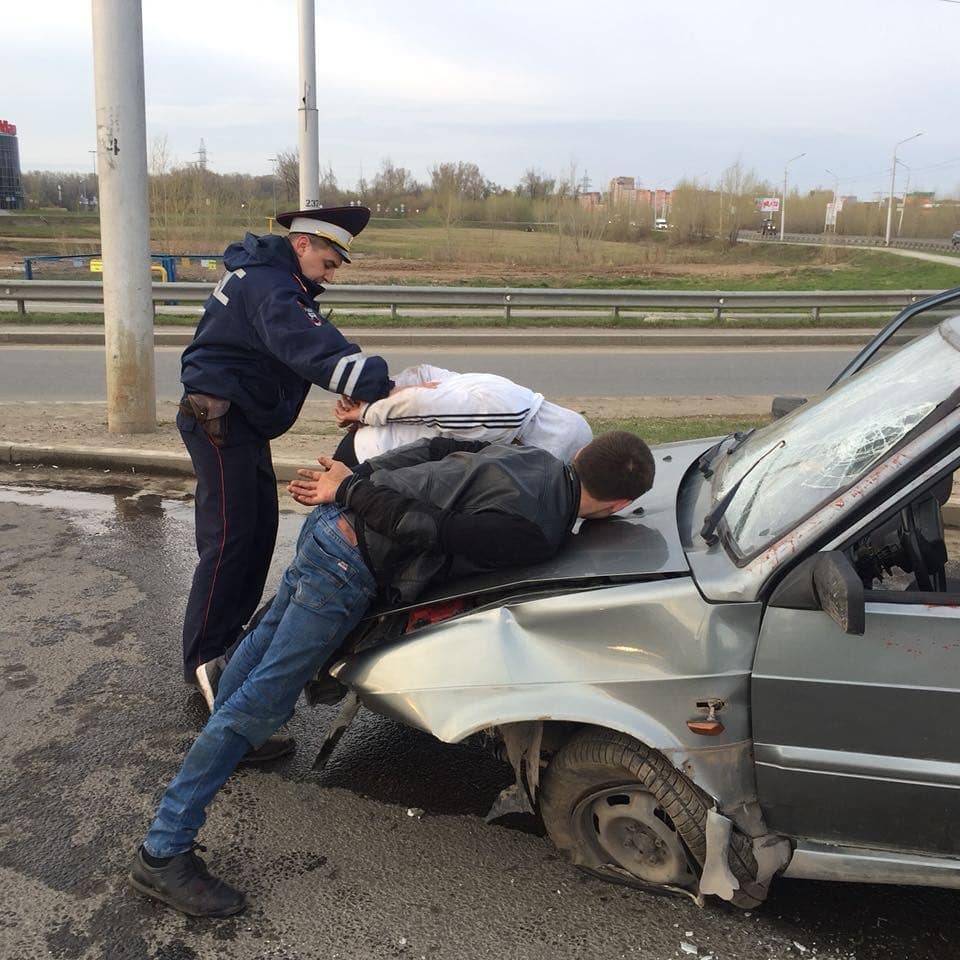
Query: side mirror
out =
(781, 406)
(840, 591)
(827, 582)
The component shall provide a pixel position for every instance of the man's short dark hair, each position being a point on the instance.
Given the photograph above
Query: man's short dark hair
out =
(318, 243)
(615, 466)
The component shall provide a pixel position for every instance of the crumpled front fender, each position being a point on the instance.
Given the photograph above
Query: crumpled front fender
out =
(636, 658)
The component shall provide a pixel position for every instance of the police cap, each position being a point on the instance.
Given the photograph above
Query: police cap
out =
(337, 225)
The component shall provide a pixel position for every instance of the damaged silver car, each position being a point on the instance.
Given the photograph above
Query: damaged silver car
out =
(749, 675)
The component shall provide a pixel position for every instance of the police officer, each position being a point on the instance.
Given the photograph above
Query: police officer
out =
(259, 346)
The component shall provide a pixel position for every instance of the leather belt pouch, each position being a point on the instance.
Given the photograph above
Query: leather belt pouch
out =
(210, 413)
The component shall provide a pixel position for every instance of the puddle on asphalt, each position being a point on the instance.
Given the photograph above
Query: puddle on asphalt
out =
(98, 512)
(95, 512)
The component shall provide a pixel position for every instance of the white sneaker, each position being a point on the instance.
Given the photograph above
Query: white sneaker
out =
(208, 679)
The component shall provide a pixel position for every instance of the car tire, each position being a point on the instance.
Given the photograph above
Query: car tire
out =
(618, 809)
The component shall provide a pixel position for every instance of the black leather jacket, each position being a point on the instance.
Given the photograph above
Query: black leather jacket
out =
(440, 509)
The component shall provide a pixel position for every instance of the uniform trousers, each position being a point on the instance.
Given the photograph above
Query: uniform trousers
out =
(236, 513)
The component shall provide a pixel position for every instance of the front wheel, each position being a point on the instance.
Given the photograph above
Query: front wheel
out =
(615, 807)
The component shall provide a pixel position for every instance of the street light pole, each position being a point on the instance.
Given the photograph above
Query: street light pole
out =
(783, 199)
(906, 190)
(836, 190)
(893, 178)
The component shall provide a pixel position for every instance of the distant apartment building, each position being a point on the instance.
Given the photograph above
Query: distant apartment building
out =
(624, 192)
(590, 199)
(11, 189)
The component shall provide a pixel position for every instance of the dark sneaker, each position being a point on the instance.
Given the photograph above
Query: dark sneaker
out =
(271, 749)
(208, 679)
(185, 884)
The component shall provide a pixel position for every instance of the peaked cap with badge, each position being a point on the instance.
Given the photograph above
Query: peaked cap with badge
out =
(337, 225)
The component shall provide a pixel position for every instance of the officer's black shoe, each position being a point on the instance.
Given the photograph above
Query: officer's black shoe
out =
(271, 749)
(184, 883)
(208, 679)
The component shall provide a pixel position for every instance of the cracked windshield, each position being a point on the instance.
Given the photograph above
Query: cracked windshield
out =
(799, 463)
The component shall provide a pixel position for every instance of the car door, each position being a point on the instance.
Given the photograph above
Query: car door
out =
(855, 738)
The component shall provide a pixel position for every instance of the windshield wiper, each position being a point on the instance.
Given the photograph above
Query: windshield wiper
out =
(740, 438)
(712, 520)
(705, 462)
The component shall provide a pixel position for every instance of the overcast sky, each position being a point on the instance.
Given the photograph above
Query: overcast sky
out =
(655, 90)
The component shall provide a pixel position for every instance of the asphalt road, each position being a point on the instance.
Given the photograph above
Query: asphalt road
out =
(383, 854)
(78, 373)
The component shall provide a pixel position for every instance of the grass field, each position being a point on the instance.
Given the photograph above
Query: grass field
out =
(668, 429)
(407, 253)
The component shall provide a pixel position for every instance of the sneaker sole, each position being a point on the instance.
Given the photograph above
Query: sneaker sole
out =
(206, 690)
(153, 894)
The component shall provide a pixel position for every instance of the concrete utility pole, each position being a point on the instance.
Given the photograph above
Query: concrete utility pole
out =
(783, 199)
(309, 131)
(893, 178)
(124, 215)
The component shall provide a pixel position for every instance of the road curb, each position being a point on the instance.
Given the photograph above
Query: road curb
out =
(160, 462)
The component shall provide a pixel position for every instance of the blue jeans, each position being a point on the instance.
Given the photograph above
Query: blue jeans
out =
(322, 596)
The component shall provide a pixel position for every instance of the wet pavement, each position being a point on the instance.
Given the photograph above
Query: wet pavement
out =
(382, 854)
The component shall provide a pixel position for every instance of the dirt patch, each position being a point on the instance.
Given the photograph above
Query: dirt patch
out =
(395, 270)
(388, 270)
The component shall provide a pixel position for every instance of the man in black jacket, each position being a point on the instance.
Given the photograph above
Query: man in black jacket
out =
(423, 513)
(259, 346)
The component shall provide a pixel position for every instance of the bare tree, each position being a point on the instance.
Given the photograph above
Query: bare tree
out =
(573, 218)
(288, 173)
(394, 185)
(453, 184)
(689, 212)
(536, 185)
(736, 204)
(329, 190)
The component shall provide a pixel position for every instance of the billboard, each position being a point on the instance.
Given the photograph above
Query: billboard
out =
(769, 204)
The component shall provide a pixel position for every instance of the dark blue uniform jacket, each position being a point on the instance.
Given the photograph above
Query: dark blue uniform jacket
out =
(261, 341)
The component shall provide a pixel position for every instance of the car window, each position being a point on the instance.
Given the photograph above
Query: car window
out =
(903, 331)
(910, 551)
(793, 466)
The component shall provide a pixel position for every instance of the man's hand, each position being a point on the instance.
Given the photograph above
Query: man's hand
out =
(319, 486)
(347, 411)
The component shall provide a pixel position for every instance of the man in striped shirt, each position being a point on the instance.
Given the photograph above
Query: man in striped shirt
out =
(430, 401)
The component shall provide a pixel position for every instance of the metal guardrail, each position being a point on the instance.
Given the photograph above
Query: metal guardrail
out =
(840, 239)
(508, 299)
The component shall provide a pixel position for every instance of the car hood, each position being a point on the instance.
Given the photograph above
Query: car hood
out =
(640, 543)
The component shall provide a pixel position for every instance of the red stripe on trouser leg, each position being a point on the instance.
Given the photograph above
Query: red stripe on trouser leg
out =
(223, 540)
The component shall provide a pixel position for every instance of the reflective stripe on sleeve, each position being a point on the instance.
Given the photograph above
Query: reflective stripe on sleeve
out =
(350, 368)
(355, 376)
